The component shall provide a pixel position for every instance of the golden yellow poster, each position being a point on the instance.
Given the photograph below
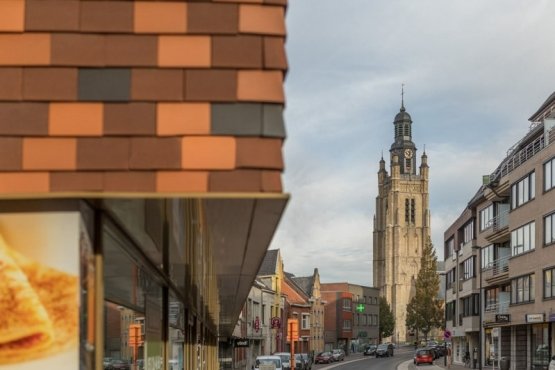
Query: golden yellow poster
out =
(39, 290)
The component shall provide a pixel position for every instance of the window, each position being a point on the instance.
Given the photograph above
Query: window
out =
(549, 175)
(467, 268)
(346, 324)
(523, 239)
(492, 296)
(346, 304)
(523, 191)
(470, 305)
(487, 256)
(549, 283)
(486, 217)
(549, 229)
(409, 211)
(450, 278)
(449, 247)
(522, 289)
(468, 232)
(305, 321)
(450, 311)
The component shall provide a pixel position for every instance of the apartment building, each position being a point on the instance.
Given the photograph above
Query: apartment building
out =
(501, 250)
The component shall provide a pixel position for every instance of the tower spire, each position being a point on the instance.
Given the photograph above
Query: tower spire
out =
(402, 97)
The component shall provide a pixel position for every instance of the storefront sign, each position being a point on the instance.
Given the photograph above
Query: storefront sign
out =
(241, 343)
(552, 317)
(534, 317)
(503, 318)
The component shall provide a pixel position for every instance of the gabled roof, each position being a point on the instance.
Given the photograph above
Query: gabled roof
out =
(269, 263)
(306, 283)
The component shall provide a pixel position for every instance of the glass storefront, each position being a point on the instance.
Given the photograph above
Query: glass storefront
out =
(539, 346)
(491, 345)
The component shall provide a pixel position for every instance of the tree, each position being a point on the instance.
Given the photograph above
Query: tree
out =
(387, 320)
(424, 311)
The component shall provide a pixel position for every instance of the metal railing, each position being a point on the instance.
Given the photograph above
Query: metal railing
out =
(497, 308)
(498, 266)
(518, 158)
(499, 222)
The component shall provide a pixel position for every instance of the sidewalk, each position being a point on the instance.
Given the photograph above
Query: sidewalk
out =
(438, 365)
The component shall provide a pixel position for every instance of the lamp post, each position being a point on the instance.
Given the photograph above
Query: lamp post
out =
(479, 249)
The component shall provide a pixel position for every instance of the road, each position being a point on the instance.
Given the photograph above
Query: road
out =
(358, 362)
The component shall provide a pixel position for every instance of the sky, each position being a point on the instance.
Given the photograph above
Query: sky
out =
(474, 72)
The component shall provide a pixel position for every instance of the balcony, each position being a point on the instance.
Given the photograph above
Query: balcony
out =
(496, 271)
(496, 313)
(498, 227)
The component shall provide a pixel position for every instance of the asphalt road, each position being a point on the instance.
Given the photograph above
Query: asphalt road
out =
(359, 362)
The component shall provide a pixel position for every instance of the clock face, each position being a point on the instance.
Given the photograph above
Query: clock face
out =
(408, 153)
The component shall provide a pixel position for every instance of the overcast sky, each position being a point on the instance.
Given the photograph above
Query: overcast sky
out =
(474, 71)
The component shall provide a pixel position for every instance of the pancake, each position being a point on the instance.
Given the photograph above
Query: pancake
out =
(25, 328)
(58, 293)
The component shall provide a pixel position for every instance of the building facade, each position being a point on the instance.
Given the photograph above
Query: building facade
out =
(140, 172)
(401, 223)
(366, 314)
(512, 238)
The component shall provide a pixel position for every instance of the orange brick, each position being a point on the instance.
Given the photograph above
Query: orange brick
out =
(12, 15)
(49, 154)
(264, 86)
(262, 19)
(183, 119)
(184, 51)
(25, 49)
(216, 152)
(75, 119)
(182, 181)
(160, 17)
(21, 182)
(271, 181)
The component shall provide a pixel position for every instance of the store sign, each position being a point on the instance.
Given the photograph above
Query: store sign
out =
(275, 323)
(552, 317)
(534, 317)
(503, 318)
(241, 343)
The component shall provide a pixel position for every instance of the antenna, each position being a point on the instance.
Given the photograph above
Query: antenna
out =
(403, 96)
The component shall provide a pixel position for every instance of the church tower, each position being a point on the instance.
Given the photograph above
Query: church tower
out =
(401, 223)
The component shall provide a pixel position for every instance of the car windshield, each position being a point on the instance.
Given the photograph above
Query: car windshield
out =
(423, 352)
(383, 346)
(324, 354)
(268, 361)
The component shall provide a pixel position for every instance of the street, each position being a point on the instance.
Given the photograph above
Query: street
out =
(359, 362)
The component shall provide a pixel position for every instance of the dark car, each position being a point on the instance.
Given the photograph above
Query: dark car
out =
(384, 350)
(300, 362)
(370, 350)
(324, 358)
(338, 354)
(435, 352)
(423, 356)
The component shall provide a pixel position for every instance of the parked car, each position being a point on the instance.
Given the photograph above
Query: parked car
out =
(120, 365)
(338, 354)
(268, 360)
(300, 363)
(308, 360)
(384, 350)
(285, 359)
(370, 350)
(324, 358)
(552, 363)
(423, 356)
(107, 362)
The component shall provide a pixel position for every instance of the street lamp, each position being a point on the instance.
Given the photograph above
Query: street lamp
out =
(479, 249)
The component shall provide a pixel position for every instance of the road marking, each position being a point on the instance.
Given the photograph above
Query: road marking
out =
(341, 363)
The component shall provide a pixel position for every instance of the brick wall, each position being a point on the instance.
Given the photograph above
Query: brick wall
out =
(141, 96)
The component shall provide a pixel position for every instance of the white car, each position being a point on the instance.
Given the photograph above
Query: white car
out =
(268, 363)
(552, 363)
(285, 359)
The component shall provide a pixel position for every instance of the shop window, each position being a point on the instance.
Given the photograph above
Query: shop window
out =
(176, 333)
(539, 346)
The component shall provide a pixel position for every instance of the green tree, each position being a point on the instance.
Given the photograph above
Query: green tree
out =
(424, 311)
(387, 320)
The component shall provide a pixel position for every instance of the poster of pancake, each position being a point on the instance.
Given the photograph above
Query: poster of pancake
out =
(39, 290)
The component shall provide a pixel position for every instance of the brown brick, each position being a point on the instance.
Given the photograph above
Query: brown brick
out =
(259, 153)
(25, 49)
(237, 51)
(11, 82)
(52, 15)
(107, 16)
(210, 85)
(11, 15)
(133, 50)
(181, 181)
(77, 50)
(24, 119)
(130, 119)
(76, 181)
(155, 153)
(160, 17)
(274, 53)
(212, 18)
(264, 86)
(102, 153)
(49, 154)
(50, 84)
(140, 181)
(271, 181)
(235, 181)
(10, 153)
(262, 19)
(157, 84)
(24, 182)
